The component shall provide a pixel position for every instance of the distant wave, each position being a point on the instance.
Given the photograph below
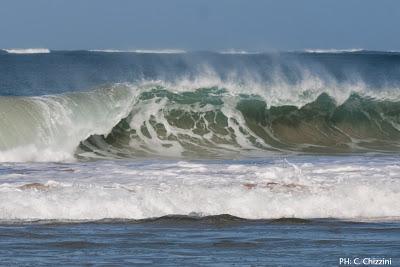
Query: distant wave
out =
(351, 50)
(236, 52)
(181, 51)
(28, 51)
(144, 51)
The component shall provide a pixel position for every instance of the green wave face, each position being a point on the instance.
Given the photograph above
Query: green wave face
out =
(214, 123)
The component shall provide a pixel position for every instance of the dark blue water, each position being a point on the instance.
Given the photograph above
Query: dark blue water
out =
(185, 242)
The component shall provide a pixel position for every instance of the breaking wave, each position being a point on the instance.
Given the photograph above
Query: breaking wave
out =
(335, 51)
(141, 51)
(199, 119)
(28, 51)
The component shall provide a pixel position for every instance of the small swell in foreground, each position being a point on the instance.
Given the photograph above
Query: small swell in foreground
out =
(175, 220)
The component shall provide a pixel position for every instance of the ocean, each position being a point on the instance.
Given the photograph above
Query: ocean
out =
(181, 158)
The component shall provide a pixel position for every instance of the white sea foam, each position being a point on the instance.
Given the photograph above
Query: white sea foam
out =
(35, 153)
(354, 188)
(28, 51)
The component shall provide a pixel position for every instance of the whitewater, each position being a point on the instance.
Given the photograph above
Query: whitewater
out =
(336, 187)
(92, 135)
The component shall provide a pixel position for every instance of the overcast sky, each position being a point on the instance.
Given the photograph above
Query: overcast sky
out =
(259, 25)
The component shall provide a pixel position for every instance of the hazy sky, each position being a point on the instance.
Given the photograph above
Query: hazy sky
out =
(200, 24)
